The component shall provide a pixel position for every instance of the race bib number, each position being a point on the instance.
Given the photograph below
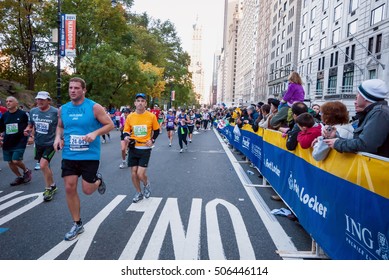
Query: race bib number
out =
(11, 128)
(42, 127)
(140, 130)
(78, 144)
(170, 124)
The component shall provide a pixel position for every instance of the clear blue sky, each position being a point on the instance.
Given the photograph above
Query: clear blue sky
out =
(183, 14)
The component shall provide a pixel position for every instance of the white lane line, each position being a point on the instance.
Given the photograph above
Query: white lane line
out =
(84, 241)
(215, 245)
(10, 195)
(148, 207)
(38, 200)
(281, 240)
(185, 244)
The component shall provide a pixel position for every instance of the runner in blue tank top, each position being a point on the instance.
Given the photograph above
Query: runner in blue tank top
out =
(80, 124)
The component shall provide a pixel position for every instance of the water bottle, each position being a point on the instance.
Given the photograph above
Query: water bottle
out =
(250, 172)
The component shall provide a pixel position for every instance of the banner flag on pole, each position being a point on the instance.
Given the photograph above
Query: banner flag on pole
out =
(68, 35)
(173, 95)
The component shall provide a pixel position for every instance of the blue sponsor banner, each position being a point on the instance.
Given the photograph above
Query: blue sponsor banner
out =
(345, 219)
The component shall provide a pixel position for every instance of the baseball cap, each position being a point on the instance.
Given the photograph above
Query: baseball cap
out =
(142, 95)
(43, 95)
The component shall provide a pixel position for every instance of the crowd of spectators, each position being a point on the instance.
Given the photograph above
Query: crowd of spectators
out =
(367, 131)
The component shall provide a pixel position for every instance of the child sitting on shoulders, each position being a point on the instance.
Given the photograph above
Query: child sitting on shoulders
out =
(310, 130)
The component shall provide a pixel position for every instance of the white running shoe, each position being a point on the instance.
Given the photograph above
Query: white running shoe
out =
(123, 165)
(181, 150)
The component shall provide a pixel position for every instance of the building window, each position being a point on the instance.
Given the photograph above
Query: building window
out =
(352, 27)
(332, 81)
(334, 59)
(282, 48)
(378, 43)
(303, 36)
(324, 24)
(325, 5)
(320, 64)
(313, 14)
(352, 55)
(338, 12)
(311, 32)
(319, 86)
(336, 36)
(302, 53)
(310, 50)
(305, 19)
(353, 6)
(373, 74)
(370, 45)
(377, 14)
(323, 42)
(348, 80)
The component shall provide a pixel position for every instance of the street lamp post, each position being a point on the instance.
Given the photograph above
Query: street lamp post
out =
(59, 56)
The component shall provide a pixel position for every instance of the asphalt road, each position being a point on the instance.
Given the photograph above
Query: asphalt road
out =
(204, 206)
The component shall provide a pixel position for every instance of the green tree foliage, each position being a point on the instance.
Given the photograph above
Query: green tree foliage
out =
(118, 52)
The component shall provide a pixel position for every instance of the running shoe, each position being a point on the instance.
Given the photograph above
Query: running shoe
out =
(138, 197)
(74, 232)
(170, 144)
(27, 176)
(181, 150)
(17, 181)
(37, 166)
(102, 187)
(146, 190)
(49, 193)
(123, 165)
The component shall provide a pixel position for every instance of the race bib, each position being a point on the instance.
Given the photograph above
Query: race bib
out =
(11, 128)
(42, 127)
(140, 130)
(170, 124)
(78, 144)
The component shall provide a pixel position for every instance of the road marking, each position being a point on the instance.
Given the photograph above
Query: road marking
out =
(148, 207)
(281, 240)
(84, 241)
(38, 200)
(3, 230)
(186, 246)
(215, 245)
(10, 195)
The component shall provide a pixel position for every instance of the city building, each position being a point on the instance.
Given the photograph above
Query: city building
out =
(342, 43)
(196, 64)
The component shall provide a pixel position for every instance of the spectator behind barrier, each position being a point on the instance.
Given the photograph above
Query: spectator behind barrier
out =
(310, 130)
(372, 133)
(274, 103)
(298, 108)
(335, 114)
(294, 93)
(315, 112)
(265, 109)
